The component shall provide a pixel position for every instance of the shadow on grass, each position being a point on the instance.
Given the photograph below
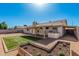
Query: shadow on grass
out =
(31, 38)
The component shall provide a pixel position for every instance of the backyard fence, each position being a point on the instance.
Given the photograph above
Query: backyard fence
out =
(10, 31)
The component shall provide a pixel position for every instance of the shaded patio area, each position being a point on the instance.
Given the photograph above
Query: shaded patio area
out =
(46, 41)
(69, 38)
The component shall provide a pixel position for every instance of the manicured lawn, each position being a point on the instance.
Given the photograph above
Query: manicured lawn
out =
(15, 41)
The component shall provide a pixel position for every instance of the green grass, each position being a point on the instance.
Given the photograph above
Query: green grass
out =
(14, 42)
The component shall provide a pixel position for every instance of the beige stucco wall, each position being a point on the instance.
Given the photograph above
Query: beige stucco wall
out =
(29, 31)
(25, 31)
(61, 31)
(77, 32)
(33, 31)
(53, 35)
(44, 31)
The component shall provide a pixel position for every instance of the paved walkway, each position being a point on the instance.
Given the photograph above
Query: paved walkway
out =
(12, 53)
(1, 48)
(75, 47)
(69, 38)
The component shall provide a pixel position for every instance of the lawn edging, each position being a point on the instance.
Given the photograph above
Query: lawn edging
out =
(4, 45)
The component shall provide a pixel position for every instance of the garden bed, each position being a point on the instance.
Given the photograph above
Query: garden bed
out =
(60, 49)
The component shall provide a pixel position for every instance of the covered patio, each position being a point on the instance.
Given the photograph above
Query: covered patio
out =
(46, 41)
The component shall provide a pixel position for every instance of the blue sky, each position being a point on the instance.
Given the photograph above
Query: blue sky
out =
(20, 14)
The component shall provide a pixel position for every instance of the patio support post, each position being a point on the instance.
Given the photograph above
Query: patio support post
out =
(77, 32)
(44, 30)
(60, 31)
(35, 32)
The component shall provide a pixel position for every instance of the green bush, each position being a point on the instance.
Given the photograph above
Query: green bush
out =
(61, 54)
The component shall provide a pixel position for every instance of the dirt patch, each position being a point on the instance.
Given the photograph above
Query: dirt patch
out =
(60, 49)
(34, 50)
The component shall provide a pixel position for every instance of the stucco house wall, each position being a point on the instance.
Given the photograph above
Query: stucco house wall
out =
(60, 31)
(77, 32)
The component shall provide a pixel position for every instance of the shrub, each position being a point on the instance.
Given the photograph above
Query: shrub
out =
(61, 54)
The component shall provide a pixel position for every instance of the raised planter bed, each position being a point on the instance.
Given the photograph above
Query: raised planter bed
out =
(60, 49)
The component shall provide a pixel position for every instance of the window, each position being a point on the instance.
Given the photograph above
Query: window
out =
(41, 28)
(27, 29)
(47, 27)
(54, 28)
(37, 30)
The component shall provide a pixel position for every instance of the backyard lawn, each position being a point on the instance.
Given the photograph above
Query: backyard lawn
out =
(15, 41)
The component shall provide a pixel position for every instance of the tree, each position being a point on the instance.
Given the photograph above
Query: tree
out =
(0, 26)
(25, 25)
(15, 27)
(3, 25)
